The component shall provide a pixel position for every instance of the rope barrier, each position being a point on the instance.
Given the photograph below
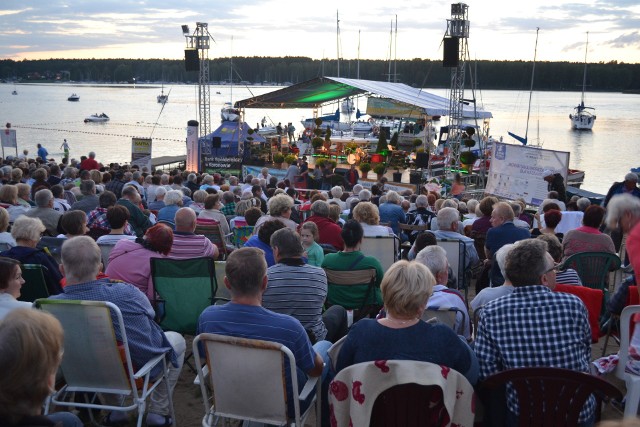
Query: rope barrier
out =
(150, 125)
(93, 133)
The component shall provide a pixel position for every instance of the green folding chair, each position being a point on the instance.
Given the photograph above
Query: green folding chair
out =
(35, 285)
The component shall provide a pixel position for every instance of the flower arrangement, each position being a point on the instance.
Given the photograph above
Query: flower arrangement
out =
(291, 158)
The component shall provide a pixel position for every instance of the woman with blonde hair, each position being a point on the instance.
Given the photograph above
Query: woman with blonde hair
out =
(366, 213)
(30, 352)
(402, 335)
(6, 239)
(9, 201)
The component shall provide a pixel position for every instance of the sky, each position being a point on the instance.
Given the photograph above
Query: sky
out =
(499, 29)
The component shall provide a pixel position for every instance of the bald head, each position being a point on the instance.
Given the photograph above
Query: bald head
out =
(185, 220)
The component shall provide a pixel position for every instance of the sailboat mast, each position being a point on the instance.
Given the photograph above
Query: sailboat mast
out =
(533, 71)
(395, 54)
(584, 75)
(358, 67)
(390, 45)
(231, 72)
(338, 40)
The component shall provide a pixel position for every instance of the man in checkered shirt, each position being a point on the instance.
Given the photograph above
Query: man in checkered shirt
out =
(533, 326)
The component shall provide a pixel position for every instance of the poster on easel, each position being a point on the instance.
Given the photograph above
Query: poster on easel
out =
(8, 140)
(516, 171)
(141, 152)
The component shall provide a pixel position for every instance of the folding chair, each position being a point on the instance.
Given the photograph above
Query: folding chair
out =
(241, 235)
(53, 245)
(35, 285)
(247, 379)
(105, 249)
(552, 396)
(383, 248)
(353, 290)
(446, 316)
(456, 255)
(212, 231)
(92, 361)
(400, 393)
(334, 351)
(632, 381)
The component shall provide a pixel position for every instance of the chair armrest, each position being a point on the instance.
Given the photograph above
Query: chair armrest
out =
(205, 372)
(309, 387)
(149, 366)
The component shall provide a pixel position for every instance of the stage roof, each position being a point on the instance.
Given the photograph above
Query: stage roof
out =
(324, 90)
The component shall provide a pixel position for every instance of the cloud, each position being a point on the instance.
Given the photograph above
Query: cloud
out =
(626, 40)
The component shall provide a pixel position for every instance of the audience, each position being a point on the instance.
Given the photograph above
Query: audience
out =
(187, 244)
(10, 283)
(588, 238)
(262, 240)
(366, 213)
(312, 250)
(329, 232)
(118, 219)
(45, 212)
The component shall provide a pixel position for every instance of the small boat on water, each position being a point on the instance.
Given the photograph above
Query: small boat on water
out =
(228, 113)
(96, 118)
(15, 92)
(162, 98)
(73, 98)
(582, 118)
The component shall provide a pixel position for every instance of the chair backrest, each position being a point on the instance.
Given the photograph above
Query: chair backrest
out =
(53, 245)
(592, 299)
(383, 248)
(92, 360)
(625, 335)
(365, 383)
(351, 289)
(105, 250)
(334, 351)
(222, 292)
(593, 267)
(455, 250)
(186, 287)
(551, 396)
(446, 316)
(212, 231)
(35, 285)
(410, 228)
(241, 235)
(247, 377)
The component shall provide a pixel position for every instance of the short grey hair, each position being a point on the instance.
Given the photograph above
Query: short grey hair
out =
(472, 204)
(199, 196)
(173, 197)
(161, 191)
(450, 203)
(446, 216)
(336, 192)
(619, 205)
(516, 208)
(81, 258)
(288, 243)
(88, 187)
(434, 258)
(191, 177)
(422, 201)
(501, 258)
(583, 203)
(320, 208)
(280, 203)
(43, 197)
(393, 197)
(364, 195)
(356, 189)
(27, 228)
(631, 177)
(527, 261)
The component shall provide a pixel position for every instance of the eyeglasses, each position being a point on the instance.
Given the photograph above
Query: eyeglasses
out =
(557, 267)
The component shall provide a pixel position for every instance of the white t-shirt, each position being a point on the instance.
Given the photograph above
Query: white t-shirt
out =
(112, 239)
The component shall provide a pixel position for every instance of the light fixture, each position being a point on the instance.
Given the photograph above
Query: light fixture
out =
(185, 29)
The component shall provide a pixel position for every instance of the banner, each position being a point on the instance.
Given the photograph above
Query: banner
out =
(255, 171)
(220, 164)
(141, 152)
(516, 171)
(8, 138)
(193, 154)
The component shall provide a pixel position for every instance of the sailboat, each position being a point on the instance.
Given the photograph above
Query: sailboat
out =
(162, 98)
(583, 118)
(524, 139)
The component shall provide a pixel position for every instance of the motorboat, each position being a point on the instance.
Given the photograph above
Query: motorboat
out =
(15, 92)
(228, 113)
(329, 121)
(361, 128)
(583, 117)
(73, 98)
(96, 118)
(162, 98)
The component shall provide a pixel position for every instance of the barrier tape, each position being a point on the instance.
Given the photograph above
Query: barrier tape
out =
(95, 133)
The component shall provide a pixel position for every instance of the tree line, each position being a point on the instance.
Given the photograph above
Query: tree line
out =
(513, 75)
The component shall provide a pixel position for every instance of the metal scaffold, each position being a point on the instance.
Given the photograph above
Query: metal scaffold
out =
(199, 41)
(456, 39)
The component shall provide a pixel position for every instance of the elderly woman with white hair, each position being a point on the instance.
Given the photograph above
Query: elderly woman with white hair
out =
(173, 202)
(336, 196)
(391, 212)
(623, 212)
(280, 207)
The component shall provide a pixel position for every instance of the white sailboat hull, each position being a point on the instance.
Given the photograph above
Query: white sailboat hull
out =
(583, 120)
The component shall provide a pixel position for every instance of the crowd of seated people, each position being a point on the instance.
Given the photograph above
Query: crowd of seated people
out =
(148, 215)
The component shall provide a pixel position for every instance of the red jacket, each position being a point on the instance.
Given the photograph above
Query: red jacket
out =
(329, 231)
(89, 164)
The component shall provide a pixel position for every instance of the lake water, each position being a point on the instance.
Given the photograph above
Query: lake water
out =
(40, 113)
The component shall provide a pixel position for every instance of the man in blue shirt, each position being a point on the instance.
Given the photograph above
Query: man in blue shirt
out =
(391, 212)
(244, 317)
(42, 152)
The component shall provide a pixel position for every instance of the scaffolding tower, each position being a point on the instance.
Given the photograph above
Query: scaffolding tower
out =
(457, 32)
(199, 41)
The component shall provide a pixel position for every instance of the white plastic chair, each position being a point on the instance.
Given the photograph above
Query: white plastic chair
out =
(334, 351)
(446, 316)
(383, 248)
(105, 250)
(456, 256)
(632, 381)
(92, 362)
(247, 379)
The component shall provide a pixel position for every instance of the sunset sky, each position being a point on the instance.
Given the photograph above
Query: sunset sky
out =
(500, 29)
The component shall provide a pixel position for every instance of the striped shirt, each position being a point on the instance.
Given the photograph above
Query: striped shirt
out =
(568, 277)
(299, 290)
(190, 245)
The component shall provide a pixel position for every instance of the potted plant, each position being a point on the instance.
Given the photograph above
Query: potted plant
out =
(290, 159)
(317, 142)
(379, 170)
(394, 140)
(365, 168)
(417, 142)
(382, 147)
(278, 158)
(467, 158)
